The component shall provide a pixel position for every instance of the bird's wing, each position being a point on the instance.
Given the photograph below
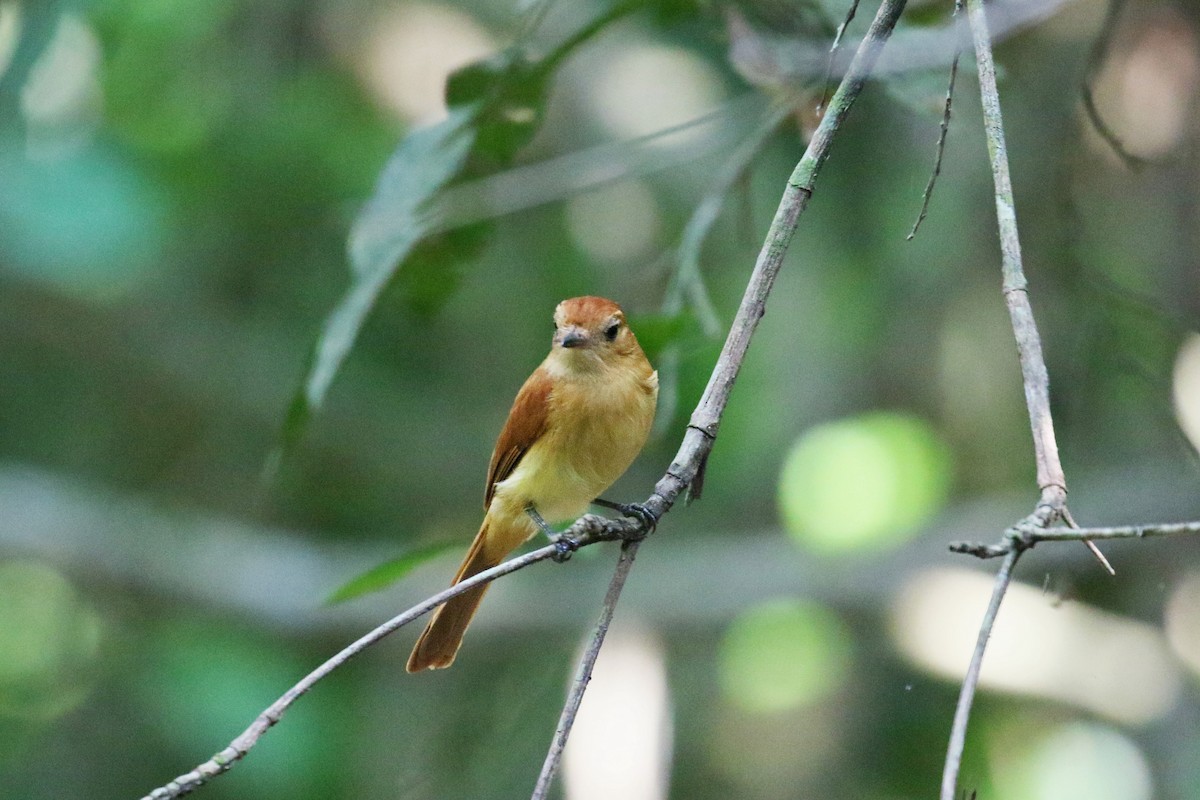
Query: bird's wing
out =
(526, 422)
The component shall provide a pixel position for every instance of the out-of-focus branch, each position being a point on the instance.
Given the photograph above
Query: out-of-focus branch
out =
(1096, 57)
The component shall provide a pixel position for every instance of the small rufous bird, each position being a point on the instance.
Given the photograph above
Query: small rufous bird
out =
(577, 424)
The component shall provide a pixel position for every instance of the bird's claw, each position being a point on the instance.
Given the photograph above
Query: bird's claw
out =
(641, 514)
(564, 547)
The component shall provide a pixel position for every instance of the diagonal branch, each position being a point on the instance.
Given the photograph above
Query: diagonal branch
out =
(701, 432)
(693, 451)
(588, 530)
(943, 130)
(583, 675)
(1052, 483)
(962, 712)
(706, 419)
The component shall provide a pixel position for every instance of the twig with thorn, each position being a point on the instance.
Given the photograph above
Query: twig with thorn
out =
(1023, 536)
(1052, 482)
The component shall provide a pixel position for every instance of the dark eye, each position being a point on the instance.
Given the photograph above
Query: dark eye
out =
(610, 332)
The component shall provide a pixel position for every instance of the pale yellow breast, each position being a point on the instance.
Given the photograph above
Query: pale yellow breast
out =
(595, 428)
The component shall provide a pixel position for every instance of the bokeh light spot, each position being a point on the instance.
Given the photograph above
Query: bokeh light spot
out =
(783, 654)
(63, 89)
(1186, 389)
(410, 52)
(1181, 617)
(863, 482)
(647, 88)
(1087, 761)
(48, 638)
(10, 21)
(615, 224)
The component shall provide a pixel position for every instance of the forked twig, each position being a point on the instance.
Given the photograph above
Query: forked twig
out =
(698, 438)
(1023, 536)
(1052, 483)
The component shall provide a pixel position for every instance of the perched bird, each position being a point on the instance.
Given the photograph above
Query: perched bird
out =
(577, 424)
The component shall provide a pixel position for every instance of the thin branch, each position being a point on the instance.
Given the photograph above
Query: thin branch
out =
(701, 431)
(1024, 536)
(833, 51)
(1050, 477)
(698, 438)
(943, 132)
(1096, 57)
(588, 530)
(705, 421)
(583, 675)
(962, 712)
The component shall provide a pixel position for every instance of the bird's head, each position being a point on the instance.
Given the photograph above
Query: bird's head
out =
(590, 332)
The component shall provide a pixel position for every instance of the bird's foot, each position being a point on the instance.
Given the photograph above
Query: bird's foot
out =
(635, 511)
(564, 547)
(542, 525)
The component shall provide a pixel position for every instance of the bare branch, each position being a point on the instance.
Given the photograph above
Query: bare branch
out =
(1050, 477)
(1023, 535)
(583, 675)
(942, 132)
(962, 712)
(586, 531)
(705, 421)
(702, 429)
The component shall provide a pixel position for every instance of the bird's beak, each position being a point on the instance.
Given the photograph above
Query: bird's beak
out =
(574, 337)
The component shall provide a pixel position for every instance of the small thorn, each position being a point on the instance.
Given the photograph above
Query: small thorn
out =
(1100, 556)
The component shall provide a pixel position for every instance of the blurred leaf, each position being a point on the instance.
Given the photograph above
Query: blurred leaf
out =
(495, 107)
(511, 88)
(389, 227)
(433, 273)
(387, 573)
(656, 332)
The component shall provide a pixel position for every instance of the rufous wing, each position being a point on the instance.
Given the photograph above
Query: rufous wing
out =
(526, 422)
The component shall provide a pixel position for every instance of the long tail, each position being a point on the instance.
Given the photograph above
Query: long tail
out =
(443, 635)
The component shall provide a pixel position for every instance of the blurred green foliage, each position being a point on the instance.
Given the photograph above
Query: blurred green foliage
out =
(193, 193)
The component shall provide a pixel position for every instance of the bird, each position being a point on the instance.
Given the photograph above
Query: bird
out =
(576, 425)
